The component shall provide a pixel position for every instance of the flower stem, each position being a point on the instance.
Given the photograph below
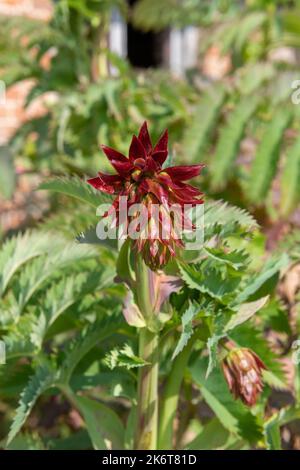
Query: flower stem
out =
(147, 415)
(171, 395)
(146, 431)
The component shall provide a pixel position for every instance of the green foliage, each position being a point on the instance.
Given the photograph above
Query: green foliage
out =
(124, 357)
(187, 328)
(87, 340)
(265, 162)
(102, 423)
(61, 320)
(38, 383)
(272, 426)
(155, 15)
(229, 141)
(7, 174)
(290, 180)
(198, 130)
(231, 414)
(77, 189)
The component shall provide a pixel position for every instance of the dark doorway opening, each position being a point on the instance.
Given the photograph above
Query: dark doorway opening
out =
(145, 50)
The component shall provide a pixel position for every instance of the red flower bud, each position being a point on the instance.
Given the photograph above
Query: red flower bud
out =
(242, 369)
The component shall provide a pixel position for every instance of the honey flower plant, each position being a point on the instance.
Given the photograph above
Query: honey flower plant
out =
(177, 310)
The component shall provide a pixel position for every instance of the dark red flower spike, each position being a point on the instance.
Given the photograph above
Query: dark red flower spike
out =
(142, 179)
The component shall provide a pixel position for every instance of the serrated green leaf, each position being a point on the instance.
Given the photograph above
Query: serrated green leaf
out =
(43, 378)
(88, 340)
(20, 249)
(226, 220)
(210, 281)
(187, 327)
(59, 297)
(76, 188)
(235, 259)
(124, 357)
(35, 274)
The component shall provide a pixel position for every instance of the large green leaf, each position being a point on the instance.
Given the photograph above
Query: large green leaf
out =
(102, 423)
(42, 269)
(59, 297)
(89, 338)
(261, 284)
(22, 248)
(213, 436)
(245, 312)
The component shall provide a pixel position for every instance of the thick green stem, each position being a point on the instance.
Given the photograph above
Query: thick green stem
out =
(147, 419)
(146, 430)
(144, 288)
(171, 395)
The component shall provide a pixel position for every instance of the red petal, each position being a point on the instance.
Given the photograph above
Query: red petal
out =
(160, 156)
(151, 165)
(110, 179)
(118, 160)
(113, 154)
(158, 190)
(136, 149)
(184, 172)
(162, 143)
(97, 183)
(183, 197)
(145, 139)
(187, 192)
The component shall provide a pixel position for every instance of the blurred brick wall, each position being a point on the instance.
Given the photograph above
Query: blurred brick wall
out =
(37, 9)
(12, 112)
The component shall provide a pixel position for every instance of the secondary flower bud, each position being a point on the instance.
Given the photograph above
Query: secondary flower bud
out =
(242, 369)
